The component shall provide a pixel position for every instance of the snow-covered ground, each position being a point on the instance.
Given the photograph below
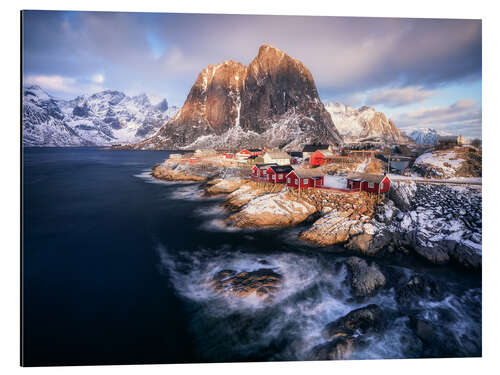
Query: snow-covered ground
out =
(335, 182)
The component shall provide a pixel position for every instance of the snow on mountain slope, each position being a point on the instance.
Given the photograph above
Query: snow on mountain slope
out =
(364, 123)
(426, 136)
(103, 118)
(272, 102)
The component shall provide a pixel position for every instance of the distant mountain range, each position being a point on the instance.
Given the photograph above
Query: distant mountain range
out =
(364, 124)
(102, 118)
(426, 136)
(272, 102)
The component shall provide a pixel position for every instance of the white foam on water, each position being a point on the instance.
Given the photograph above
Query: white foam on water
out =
(147, 177)
(313, 293)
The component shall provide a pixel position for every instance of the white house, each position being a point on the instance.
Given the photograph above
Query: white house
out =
(277, 157)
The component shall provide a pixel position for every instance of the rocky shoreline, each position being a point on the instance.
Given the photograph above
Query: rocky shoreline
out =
(441, 224)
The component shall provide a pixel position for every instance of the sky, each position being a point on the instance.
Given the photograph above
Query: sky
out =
(422, 73)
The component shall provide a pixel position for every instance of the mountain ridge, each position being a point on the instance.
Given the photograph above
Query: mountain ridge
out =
(102, 118)
(271, 102)
(364, 123)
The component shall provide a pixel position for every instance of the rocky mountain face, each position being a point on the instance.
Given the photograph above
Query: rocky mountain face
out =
(364, 124)
(271, 102)
(426, 136)
(104, 118)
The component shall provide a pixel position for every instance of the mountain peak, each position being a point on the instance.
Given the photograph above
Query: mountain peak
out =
(364, 123)
(271, 102)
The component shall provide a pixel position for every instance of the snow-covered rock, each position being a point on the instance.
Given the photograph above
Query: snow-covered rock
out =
(272, 210)
(364, 124)
(450, 163)
(103, 118)
(440, 223)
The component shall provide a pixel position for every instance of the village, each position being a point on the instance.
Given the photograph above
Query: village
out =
(361, 167)
(370, 198)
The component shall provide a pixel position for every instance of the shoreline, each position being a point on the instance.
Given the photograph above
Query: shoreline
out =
(362, 223)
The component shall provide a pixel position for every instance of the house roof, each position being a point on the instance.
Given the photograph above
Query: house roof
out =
(307, 173)
(313, 147)
(281, 168)
(264, 166)
(326, 153)
(254, 149)
(297, 154)
(375, 178)
(277, 154)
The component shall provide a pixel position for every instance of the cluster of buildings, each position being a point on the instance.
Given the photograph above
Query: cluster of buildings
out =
(279, 167)
(307, 178)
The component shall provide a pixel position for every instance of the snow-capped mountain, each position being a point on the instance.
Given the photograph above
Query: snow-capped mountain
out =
(271, 102)
(103, 118)
(426, 136)
(364, 124)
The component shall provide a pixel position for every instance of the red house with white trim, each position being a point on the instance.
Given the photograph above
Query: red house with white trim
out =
(304, 178)
(278, 173)
(259, 171)
(371, 183)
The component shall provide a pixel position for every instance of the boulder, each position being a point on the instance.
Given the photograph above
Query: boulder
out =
(272, 210)
(365, 279)
(363, 320)
(417, 288)
(338, 348)
(163, 173)
(263, 282)
(225, 186)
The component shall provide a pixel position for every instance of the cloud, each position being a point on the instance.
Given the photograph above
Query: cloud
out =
(98, 78)
(344, 54)
(462, 117)
(56, 83)
(397, 97)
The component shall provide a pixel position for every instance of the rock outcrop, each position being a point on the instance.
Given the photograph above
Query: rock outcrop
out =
(347, 217)
(271, 102)
(162, 172)
(263, 283)
(440, 223)
(450, 163)
(226, 186)
(365, 280)
(346, 332)
(272, 210)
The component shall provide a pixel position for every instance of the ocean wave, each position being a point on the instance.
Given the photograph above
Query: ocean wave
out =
(313, 293)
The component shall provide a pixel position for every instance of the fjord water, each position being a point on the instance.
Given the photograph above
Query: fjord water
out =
(116, 268)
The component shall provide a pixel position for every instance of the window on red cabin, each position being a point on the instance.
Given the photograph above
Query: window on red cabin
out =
(288, 180)
(371, 185)
(306, 180)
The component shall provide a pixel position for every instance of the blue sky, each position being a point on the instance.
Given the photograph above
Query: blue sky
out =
(420, 72)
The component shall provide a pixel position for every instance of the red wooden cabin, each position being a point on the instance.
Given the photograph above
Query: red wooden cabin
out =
(227, 155)
(259, 171)
(304, 178)
(278, 173)
(320, 157)
(371, 183)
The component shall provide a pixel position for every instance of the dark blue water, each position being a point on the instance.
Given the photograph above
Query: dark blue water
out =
(115, 270)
